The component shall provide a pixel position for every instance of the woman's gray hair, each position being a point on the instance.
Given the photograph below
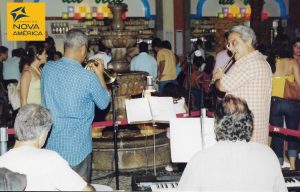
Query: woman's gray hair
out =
(74, 39)
(245, 32)
(31, 122)
(233, 120)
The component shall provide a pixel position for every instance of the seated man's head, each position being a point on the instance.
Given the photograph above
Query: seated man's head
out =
(32, 124)
(233, 120)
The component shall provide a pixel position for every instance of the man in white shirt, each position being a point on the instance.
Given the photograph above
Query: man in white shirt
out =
(11, 66)
(233, 163)
(102, 54)
(45, 170)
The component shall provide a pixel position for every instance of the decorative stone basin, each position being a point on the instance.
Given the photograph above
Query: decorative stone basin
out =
(135, 150)
(119, 39)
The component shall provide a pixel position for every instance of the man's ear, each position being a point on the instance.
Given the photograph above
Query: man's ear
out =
(83, 50)
(42, 139)
(249, 42)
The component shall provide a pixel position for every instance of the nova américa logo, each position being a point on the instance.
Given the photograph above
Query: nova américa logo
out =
(18, 13)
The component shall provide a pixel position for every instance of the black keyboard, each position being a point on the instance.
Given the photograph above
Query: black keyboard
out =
(169, 183)
(154, 183)
(292, 180)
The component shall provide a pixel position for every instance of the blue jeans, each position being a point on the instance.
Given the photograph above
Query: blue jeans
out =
(290, 111)
(161, 85)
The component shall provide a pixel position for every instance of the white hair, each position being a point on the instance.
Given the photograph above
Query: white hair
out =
(74, 39)
(245, 32)
(31, 122)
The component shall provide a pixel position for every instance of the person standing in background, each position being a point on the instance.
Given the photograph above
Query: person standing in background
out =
(284, 68)
(30, 83)
(166, 62)
(296, 50)
(144, 62)
(11, 66)
(3, 58)
(70, 92)
(102, 54)
(50, 48)
(224, 56)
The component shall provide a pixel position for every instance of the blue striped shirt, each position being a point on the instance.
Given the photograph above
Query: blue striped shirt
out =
(70, 92)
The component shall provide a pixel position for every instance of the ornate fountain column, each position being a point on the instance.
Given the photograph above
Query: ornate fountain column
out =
(130, 83)
(118, 39)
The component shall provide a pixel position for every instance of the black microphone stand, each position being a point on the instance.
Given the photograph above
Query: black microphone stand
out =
(114, 86)
(189, 63)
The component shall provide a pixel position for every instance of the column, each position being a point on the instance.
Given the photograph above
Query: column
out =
(255, 21)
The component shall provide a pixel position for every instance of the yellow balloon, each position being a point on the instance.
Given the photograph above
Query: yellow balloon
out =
(234, 9)
(248, 9)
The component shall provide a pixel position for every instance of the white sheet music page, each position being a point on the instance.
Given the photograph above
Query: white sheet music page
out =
(209, 136)
(185, 137)
(138, 110)
(162, 108)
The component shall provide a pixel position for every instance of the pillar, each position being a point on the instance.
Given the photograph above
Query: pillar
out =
(255, 20)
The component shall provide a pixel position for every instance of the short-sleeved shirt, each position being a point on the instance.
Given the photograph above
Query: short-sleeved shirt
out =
(70, 92)
(251, 79)
(233, 166)
(168, 56)
(102, 55)
(144, 62)
(11, 69)
(45, 170)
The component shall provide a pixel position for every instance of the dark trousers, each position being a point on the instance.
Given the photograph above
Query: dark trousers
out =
(162, 84)
(290, 111)
(84, 168)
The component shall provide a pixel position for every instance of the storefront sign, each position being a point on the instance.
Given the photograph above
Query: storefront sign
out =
(97, 1)
(24, 23)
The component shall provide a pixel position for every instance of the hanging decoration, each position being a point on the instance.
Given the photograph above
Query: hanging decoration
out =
(234, 11)
(96, 1)
(99, 12)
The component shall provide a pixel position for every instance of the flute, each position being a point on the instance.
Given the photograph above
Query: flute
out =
(228, 65)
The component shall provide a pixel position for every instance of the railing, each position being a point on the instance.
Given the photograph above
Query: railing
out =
(4, 131)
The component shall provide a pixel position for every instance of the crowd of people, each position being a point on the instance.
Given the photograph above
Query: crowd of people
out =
(56, 91)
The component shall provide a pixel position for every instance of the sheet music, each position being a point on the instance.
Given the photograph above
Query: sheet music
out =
(138, 110)
(150, 109)
(162, 108)
(185, 137)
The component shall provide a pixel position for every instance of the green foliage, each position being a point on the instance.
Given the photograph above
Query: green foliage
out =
(226, 2)
(246, 2)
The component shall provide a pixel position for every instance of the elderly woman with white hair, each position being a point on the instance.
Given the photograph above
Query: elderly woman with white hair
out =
(46, 170)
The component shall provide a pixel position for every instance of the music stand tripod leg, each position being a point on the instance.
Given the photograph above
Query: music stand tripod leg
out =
(116, 128)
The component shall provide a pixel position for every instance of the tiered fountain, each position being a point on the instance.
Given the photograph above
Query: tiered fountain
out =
(119, 40)
(135, 150)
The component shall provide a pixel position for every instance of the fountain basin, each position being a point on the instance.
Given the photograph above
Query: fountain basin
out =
(135, 150)
(119, 39)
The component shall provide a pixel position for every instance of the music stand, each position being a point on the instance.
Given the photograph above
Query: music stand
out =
(189, 63)
(114, 86)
